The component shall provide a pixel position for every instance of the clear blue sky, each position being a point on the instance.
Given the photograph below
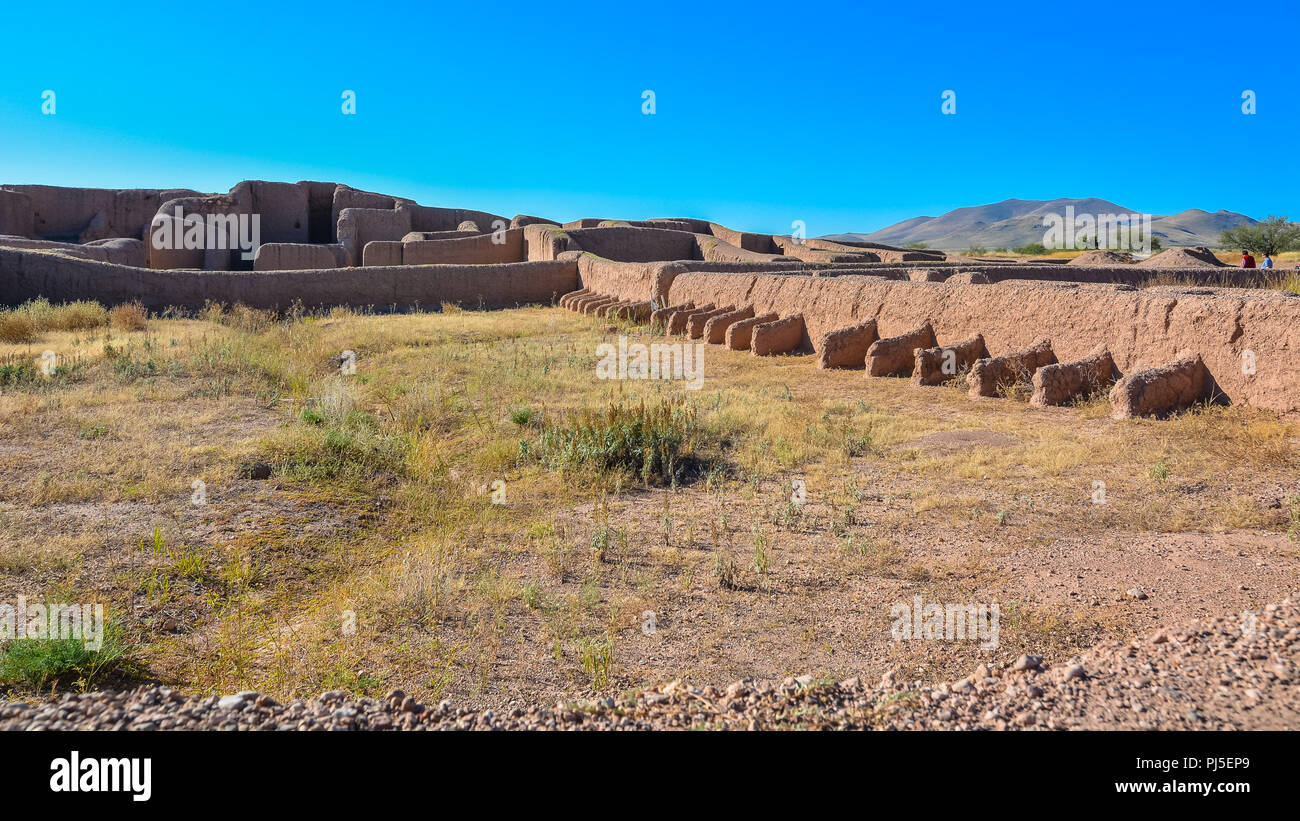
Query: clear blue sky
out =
(766, 112)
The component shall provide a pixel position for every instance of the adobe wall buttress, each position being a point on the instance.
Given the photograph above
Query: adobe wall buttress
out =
(1140, 328)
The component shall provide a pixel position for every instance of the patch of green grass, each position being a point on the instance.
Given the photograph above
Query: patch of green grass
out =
(41, 664)
(598, 661)
(656, 443)
(532, 596)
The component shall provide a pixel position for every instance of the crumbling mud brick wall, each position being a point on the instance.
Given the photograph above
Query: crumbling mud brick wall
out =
(758, 243)
(785, 335)
(358, 226)
(695, 324)
(16, 214)
(28, 275)
(896, 355)
(715, 330)
(484, 249)
(638, 281)
(347, 197)
(286, 256)
(741, 333)
(67, 214)
(995, 373)
(205, 206)
(937, 365)
(282, 209)
(628, 244)
(119, 251)
(1154, 390)
(1140, 328)
(1062, 382)
(521, 220)
(433, 218)
(846, 347)
(713, 249)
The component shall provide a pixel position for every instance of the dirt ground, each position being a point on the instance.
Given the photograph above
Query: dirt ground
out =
(380, 515)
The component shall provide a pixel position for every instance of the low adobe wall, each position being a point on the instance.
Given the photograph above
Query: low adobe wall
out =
(1125, 274)
(28, 275)
(118, 250)
(635, 281)
(622, 244)
(715, 249)
(433, 218)
(1141, 328)
(286, 256)
(652, 280)
(758, 243)
(477, 250)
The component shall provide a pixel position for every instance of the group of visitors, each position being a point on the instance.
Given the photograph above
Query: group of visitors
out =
(1248, 261)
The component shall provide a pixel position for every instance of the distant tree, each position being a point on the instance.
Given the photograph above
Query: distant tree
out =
(917, 245)
(977, 251)
(1156, 245)
(1272, 236)
(1034, 249)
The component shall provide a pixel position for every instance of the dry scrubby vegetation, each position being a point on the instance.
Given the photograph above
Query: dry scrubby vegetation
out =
(337, 500)
(30, 321)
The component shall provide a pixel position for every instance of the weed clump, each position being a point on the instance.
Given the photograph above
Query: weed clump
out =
(656, 443)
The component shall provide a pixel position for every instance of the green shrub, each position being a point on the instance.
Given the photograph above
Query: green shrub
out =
(655, 443)
(18, 373)
(44, 663)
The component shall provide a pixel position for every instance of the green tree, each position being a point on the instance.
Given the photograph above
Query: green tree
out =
(1272, 236)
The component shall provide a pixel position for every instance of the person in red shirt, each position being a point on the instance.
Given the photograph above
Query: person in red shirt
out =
(1247, 261)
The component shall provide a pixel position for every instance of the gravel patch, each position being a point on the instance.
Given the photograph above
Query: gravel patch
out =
(1232, 672)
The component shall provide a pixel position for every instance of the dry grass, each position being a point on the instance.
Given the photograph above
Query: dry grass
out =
(129, 316)
(17, 328)
(380, 510)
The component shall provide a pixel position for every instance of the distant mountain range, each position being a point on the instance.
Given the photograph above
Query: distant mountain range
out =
(1016, 223)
